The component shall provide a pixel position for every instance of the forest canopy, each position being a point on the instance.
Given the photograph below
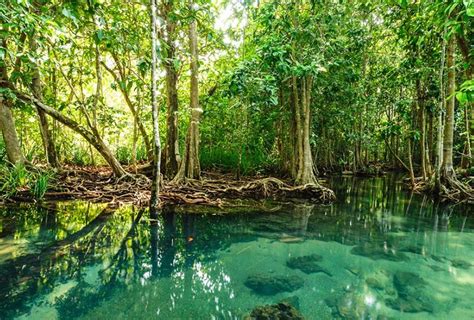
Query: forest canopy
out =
(288, 88)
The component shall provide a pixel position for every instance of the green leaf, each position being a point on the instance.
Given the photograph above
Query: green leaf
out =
(461, 97)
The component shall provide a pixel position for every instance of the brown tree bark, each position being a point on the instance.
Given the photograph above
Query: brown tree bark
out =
(464, 46)
(155, 187)
(95, 140)
(46, 134)
(447, 167)
(305, 173)
(171, 152)
(190, 167)
(133, 109)
(7, 123)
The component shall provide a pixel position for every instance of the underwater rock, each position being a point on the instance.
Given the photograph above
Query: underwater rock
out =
(279, 311)
(374, 283)
(438, 259)
(461, 264)
(436, 268)
(410, 290)
(346, 306)
(353, 270)
(375, 252)
(307, 264)
(293, 300)
(410, 306)
(408, 283)
(265, 284)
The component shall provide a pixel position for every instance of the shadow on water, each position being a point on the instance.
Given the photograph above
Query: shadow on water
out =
(359, 257)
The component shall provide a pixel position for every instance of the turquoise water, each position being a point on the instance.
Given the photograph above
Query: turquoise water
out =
(378, 253)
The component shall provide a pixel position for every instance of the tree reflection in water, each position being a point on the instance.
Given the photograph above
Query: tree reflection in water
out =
(83, 260)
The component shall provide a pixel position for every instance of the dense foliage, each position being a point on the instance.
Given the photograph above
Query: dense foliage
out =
(290, 87)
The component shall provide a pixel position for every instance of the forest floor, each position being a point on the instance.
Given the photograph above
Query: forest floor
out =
(97, 184)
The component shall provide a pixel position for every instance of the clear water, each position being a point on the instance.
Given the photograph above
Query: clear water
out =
(378, 253)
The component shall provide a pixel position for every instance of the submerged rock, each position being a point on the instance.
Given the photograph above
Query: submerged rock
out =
(375, 252)
(347, 306)
(408, 283)
(411, 294)
(293, 300)
(279, 311)
(374, 283)
(307, 264)
(410, 306)
(438, 259)
(461, 264)
(436, 268)
(266, 284)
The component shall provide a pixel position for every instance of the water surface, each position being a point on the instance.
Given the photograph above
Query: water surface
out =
(379, 252)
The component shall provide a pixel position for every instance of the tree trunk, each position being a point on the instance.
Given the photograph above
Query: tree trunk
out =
(190, 167)
(7, 124)
(94, 139)
(421, 110)
(305, 159)
(46, 134)
(155, 188)
(172, 156)
(464, 46)
(10, 137)
(439, 118)
(448, 168)
(131, 106)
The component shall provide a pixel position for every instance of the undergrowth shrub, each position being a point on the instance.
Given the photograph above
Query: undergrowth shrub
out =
(252, 163)
(124, 154)
(15, 179)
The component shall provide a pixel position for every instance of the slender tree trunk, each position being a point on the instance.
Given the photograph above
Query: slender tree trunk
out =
(95, 140)
(190, 167)
(467, 154)
(448, 168)
(131, 106)
(410, 164)
(439, 118)
(155, 189)
(421, 110)
(46, 134)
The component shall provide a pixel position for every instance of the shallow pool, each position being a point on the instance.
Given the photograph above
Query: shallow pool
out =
(378, 253)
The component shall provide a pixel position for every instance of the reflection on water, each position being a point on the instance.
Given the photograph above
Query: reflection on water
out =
(379, 252)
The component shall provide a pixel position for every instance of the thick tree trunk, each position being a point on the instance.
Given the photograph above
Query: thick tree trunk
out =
(190, 167)
(7, 124)
(155, 188)
(305, 159)
(464, 46)
(10, 137)
(46, 134)
(448, 168)
(172, 157)
(95, 140)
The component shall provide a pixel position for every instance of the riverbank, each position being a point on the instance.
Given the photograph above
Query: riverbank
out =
(97, 184)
